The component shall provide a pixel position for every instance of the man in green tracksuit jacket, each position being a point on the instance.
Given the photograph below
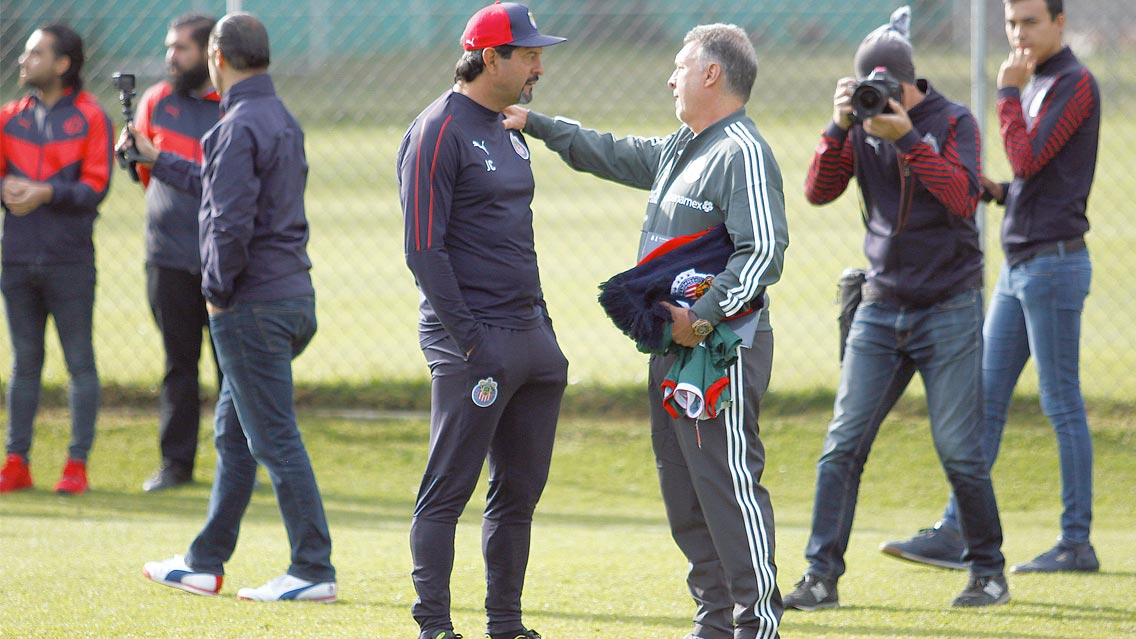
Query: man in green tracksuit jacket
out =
(715, 169)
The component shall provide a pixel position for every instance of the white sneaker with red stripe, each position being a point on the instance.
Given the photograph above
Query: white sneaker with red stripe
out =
(289, 588)
(175, 573)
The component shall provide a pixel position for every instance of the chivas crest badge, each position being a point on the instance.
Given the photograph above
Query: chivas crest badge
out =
(485, 392)
(691, 284)
(519, 146)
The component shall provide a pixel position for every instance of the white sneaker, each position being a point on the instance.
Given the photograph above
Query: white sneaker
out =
(175, 573)
(289, 588)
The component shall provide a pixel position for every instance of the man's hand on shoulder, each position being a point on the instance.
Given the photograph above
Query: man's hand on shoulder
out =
(516, 117)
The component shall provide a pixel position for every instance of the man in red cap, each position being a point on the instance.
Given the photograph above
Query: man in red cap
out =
(498, 374)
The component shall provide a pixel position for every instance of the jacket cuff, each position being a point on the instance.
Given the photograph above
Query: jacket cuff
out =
(908, 141)
(538, 124)
(1009, 93)
(708, 310)
(161, 165)
(834, 131)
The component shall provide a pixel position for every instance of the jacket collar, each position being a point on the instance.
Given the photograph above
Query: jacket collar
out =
(33, 99)
(256, 86)
(931, 101)
(1056, 61)
(723, 123)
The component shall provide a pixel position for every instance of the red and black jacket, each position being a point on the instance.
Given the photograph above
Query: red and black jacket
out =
(72, 151)
(176, 123)
(1051, 131)
(919, 196)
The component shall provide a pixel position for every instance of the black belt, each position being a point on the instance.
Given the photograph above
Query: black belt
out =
(1052, 248)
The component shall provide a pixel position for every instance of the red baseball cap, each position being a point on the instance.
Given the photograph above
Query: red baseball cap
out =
(504, 23)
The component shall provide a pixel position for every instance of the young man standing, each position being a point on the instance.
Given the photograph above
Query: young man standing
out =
(175, 114)
(55, 157)
(1049, 112)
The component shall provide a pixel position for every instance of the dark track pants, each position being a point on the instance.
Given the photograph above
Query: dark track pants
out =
(179, 311)
(719, 513)
(513, 423)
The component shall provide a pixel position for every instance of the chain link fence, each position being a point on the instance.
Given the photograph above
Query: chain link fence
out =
(356, 72)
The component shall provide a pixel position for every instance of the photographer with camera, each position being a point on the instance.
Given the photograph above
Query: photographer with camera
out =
(172, 117)
(55, 157)
(917, 169)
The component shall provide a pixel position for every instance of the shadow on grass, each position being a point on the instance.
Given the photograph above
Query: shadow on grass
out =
(851, 630)
(1025, 609)
(190, 502)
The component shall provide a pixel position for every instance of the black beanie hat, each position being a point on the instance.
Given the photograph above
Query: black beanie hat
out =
(889, 46)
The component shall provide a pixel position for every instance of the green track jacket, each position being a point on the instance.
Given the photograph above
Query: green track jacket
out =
(726, 174)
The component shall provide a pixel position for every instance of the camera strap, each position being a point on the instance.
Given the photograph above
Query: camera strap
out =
(906, 191)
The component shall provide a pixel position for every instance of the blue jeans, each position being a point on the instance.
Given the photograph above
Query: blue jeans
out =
(885, 344)
(67, 293)
(1036, 311)
(256, 422)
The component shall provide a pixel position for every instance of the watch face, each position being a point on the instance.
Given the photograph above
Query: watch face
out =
(702, 328)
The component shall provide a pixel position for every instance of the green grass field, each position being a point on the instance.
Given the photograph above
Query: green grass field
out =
(603, 564)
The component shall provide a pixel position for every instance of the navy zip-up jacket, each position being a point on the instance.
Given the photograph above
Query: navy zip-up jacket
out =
(254, 231)
(466, 187)
(72, 151)
(1050, 131)
(176, 123)
(919, 193)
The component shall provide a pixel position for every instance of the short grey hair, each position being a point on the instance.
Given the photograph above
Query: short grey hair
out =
(729, 46)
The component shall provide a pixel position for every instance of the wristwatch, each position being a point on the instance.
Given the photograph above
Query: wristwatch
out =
(701, 327)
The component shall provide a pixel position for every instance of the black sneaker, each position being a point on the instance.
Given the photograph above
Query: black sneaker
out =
(526, 634)
(1062, 558)
(812, 593)
(439, 634)
(989, 590)
(167, 476)
(941, 546)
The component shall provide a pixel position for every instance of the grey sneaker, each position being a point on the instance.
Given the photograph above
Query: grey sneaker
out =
(989, 590)
(941, 546)
(812, 593)
(1062, 558)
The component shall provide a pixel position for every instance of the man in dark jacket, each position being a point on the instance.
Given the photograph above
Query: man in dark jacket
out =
(258, 290)
(55, 157)
(174, 114)
(917, 169)
(497, 371)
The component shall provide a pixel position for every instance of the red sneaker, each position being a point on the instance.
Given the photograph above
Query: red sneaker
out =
(16, 475)
(74, 479)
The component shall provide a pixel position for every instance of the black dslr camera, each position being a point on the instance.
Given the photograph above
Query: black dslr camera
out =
(124, 82)
(870, 97)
